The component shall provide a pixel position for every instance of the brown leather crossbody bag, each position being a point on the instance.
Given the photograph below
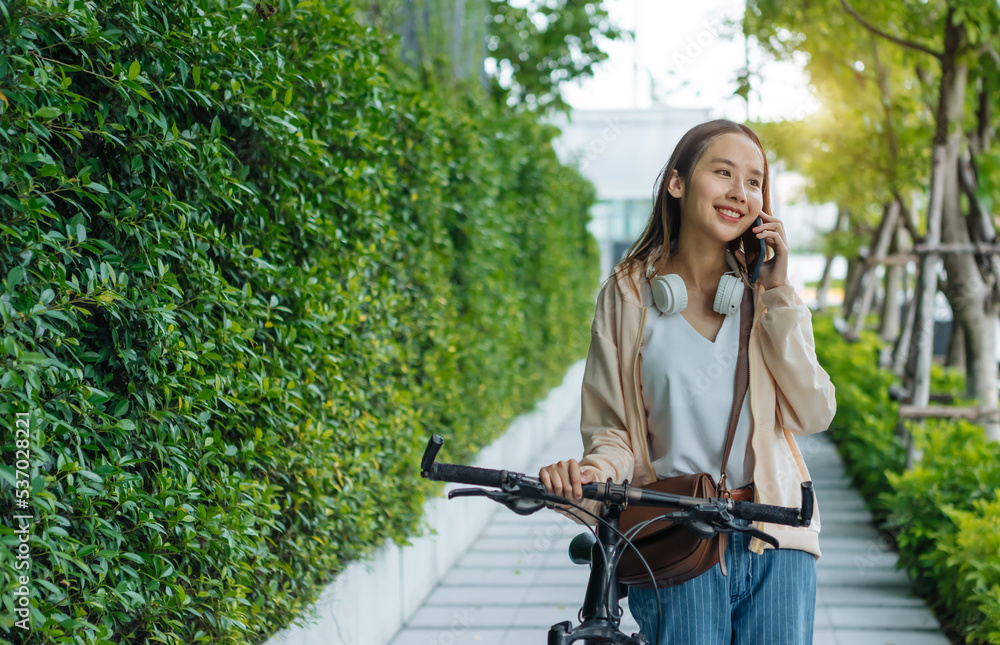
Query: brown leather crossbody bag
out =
(674, 553)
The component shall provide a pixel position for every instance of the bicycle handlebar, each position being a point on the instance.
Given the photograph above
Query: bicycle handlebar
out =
(774, 514)
(622, 494)
(469, 475)
(431, 469)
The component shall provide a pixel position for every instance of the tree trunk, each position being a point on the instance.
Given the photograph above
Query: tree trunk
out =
(968, 293)
(880, 246)
(894, 285)
(824, 284)
(903, 350)
(853, 282)
(446, 36)
(980, 227)
(410, 49)
(955, 357)
(967, 296)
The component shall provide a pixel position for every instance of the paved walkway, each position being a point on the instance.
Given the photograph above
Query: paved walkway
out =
(516, 580)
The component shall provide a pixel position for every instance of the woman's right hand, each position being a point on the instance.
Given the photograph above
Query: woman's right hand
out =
(564, 478)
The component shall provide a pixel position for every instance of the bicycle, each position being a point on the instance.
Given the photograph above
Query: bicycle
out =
(525, 495)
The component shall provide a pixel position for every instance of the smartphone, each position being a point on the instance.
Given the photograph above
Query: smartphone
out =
(754, 250)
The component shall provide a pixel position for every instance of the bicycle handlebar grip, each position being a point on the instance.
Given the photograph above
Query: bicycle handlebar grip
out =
(430, 454)
(807, 502)
(469, 475)
(766, 513)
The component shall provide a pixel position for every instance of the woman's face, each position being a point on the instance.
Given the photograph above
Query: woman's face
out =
(725, 193)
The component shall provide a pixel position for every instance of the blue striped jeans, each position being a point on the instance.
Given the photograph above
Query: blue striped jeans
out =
(768, 598)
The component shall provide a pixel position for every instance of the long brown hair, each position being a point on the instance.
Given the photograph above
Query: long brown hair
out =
(662, 229)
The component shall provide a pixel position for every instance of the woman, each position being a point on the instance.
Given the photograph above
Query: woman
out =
(657, 380)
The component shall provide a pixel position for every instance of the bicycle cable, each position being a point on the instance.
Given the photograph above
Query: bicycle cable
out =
(609, 570)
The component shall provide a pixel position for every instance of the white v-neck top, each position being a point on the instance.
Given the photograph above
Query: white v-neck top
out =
(687, 390)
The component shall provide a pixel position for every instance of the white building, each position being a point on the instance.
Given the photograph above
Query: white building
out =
(622, 152)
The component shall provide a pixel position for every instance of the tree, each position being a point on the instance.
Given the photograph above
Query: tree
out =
(536, 47)
(925, 56)
(521, 51)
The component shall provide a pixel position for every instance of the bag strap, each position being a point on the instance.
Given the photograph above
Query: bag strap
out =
(742, 381)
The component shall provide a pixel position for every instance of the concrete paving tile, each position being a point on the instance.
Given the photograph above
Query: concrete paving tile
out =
(822, 620)
(838, 516)
(834, 480)
(537, 536)
(889, 637)
(486, 577)
(539, 635)
(530, 636)
(545, 615)
(558, 594)
(831, 480)
(503, 543)
(841, 497)
(823, 461)
(829, 485)
(541, 518)
(859, 560)
(408, 636)
(510, 530)
(842, 510)
(885, 579)
(827, 466)
(477, 595)
(467, 617)
(849, 544)
(863, 530)
(857, 596)
(549, 614)
(909, 618)
(564, 576)
(515, 560)
(842, 502)
(824, 637)
(561, 559)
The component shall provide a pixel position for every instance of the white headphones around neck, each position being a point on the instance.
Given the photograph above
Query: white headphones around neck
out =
(670, 294)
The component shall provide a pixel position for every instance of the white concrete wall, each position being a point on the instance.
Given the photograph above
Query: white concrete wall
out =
(370, 601)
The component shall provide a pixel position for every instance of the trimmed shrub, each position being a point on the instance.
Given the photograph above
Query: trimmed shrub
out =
(968, 564)
(942, 513)
(249, 264)
(937, 511)
(864, 427)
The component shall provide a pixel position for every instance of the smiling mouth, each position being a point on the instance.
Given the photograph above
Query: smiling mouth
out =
(729, 213)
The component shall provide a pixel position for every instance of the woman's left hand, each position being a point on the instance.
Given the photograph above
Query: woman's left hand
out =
(774, 272)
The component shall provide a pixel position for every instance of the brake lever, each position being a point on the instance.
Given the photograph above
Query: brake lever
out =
(750, 530)
(708, 519)
(519, 505)
(702, 527)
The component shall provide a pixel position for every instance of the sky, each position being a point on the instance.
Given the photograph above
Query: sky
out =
(688, 54)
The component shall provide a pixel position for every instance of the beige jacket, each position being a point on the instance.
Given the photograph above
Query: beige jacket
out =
(790, 394)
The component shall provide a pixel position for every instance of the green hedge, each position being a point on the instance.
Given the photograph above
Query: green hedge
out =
(944, 514)
(248, 267)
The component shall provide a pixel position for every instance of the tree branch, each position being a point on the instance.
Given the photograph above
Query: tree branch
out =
(878, 32)
(908, 219)
(890, 130)
(987, 48)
